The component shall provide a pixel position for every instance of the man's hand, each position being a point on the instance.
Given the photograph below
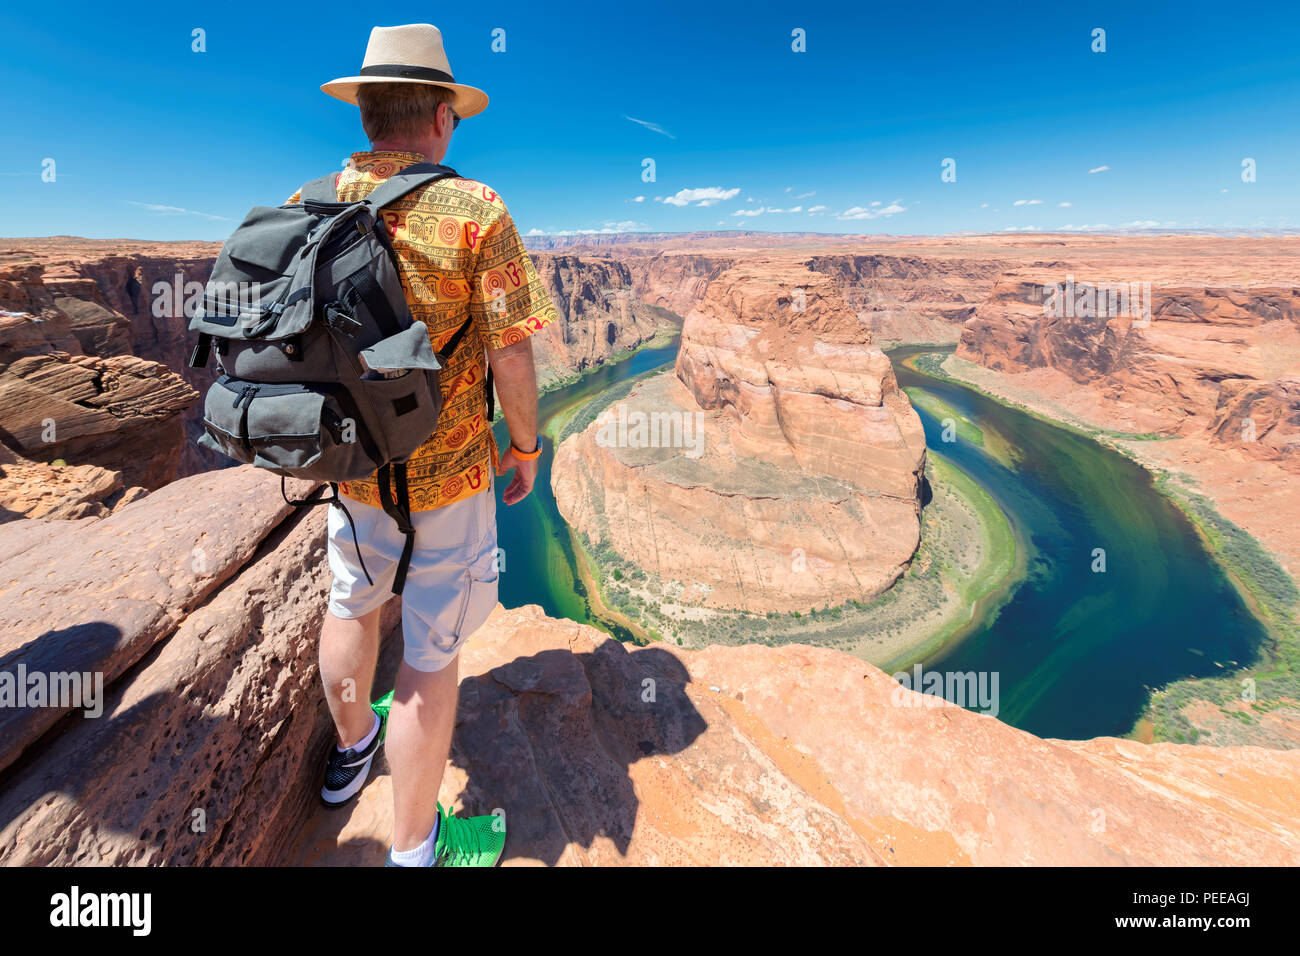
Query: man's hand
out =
(516, 381)
(525, 475)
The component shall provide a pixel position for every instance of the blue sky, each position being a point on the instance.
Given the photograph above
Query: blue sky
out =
(151, 140)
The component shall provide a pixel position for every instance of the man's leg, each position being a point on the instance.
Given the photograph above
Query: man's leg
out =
(418, 745)
(450, 591)
(348, 652)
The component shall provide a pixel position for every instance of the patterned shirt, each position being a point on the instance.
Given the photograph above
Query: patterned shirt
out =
(459, 254)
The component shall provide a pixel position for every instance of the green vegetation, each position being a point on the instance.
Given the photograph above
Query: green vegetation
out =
(1270, 592)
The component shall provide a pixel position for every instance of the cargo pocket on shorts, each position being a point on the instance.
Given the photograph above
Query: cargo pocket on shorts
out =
(480, 596)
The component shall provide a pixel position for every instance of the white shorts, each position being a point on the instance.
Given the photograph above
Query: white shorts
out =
(451, 586)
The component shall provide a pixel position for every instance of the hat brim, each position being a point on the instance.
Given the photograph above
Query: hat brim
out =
(469, 100)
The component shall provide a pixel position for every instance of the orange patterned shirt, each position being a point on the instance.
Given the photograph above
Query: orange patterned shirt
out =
(459, 254)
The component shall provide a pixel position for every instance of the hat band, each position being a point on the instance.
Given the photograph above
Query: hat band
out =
(402, 72)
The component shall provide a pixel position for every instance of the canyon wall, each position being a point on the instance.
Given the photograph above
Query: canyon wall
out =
(911, 298)
(110, 370)
(676, 281)
(600, 315)
(795, 479)
(1218, 362)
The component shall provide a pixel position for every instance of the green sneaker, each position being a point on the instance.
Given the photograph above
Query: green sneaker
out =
(472, 841)
(381, 707)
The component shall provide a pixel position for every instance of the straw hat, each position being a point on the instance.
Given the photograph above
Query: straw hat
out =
(408, 54)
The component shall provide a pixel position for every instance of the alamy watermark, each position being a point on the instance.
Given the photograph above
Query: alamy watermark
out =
(622, 427)
(977, 690)
(67, 690)
(180, 298)
(1087, 300)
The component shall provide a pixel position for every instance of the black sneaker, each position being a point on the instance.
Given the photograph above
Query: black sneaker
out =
(346, 771)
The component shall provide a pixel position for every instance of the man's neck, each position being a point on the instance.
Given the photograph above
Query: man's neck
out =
(401, 146)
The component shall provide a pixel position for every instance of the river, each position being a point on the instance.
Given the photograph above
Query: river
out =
(1074, 648)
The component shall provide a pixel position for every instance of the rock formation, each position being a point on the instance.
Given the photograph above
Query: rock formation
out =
(676, 280)
(110, 371)
(793, 475)
(911, 298)
(35, 489)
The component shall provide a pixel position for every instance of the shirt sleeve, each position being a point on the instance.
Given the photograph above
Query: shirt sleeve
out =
(507, 298)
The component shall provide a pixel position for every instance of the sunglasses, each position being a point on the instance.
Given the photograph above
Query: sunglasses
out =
(455, 120)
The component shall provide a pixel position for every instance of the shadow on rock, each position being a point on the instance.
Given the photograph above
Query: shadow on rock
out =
(549, 739)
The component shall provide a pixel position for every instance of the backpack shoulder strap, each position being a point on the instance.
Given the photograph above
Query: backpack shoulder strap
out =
(321, 190)
(407, 180)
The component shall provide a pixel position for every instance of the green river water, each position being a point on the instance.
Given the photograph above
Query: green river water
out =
(1074, 648)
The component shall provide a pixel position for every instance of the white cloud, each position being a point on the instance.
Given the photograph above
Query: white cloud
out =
(877, 203)
(610, 227)
(1065, 205)
(867, 212)
(984, 205)
(1027, 202)
(1099, 169)
(705, 196)
(175, 210)
(806, 195)
(653, 127)
(766, 209)
(639, 199)
(813, 210)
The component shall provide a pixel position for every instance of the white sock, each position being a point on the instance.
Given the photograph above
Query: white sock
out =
(422, 855)
(364, 742)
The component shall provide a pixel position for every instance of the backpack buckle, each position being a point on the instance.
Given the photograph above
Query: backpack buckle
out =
(339, 316)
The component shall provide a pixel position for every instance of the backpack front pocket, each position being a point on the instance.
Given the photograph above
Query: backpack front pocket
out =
(300, 430)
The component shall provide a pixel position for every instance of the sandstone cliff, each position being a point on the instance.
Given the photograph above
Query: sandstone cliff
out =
(103, 365)
(911, 298)
(796, 478)
(600, 317)
(208, 747)
(1201, 361)
(677, 281)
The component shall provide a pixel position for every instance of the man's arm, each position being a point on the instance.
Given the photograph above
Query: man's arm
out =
(516, 385)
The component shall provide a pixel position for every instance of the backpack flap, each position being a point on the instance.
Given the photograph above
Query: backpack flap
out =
(406, 350)
(254, 269)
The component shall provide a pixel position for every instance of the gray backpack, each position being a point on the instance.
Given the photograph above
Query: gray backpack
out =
(325, 374)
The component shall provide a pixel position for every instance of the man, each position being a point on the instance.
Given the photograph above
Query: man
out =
(459, 254)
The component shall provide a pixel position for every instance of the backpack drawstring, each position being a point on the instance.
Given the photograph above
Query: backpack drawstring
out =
(336, 500)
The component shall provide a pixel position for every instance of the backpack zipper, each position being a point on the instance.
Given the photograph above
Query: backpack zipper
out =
(245, 396)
